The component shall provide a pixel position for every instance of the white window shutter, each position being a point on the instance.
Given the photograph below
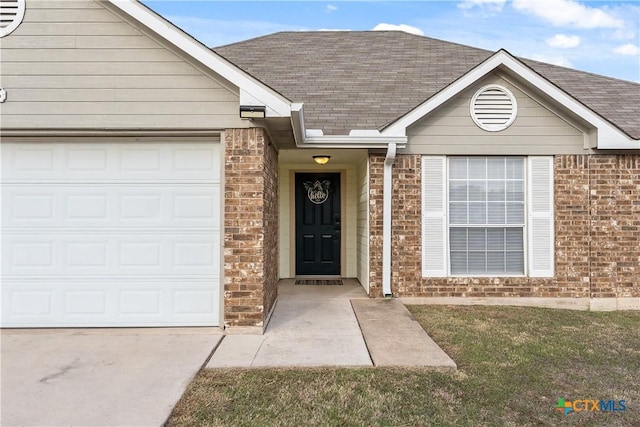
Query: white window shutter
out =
(434, 224)
(541, 220)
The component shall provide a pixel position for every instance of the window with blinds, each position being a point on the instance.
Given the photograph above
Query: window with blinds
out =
(480, 213)
(486, 215)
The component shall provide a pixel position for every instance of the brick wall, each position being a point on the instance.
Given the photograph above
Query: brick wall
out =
(271, 220)
(376, 190)
(597, 220)
(572, 223)
(615, 225)
(251, 227)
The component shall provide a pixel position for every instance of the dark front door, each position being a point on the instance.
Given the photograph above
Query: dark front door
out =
(318, 223)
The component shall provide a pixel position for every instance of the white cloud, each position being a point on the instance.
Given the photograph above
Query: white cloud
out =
(563, 41)
(627, 49)
(554, 60)
(491, 5)
(625, 34)
(331, 8)
(401, 27)
(568, 13)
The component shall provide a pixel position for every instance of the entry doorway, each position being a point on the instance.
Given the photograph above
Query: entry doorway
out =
(318, 224)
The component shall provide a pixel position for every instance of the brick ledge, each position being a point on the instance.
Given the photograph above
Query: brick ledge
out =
(593, 304)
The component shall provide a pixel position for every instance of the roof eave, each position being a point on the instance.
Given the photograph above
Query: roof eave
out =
(357, 138)
(609, 137)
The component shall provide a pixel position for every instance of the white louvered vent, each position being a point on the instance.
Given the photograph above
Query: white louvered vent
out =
(493, 108)
(11, 15)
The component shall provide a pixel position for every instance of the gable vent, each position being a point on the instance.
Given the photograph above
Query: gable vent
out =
(493, 108)
(11, 15)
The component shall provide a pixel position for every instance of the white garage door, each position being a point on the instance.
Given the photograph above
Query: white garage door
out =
(111, 234)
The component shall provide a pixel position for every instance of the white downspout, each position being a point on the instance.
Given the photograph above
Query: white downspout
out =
(386, 218)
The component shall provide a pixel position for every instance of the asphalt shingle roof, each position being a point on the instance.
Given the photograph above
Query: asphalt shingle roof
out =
(368, 79)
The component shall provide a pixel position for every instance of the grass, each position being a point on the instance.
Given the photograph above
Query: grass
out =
(513, 365)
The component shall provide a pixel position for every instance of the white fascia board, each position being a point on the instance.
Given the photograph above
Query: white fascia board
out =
(609, 137)
(251, 90)
(381, 141)
(358, 138)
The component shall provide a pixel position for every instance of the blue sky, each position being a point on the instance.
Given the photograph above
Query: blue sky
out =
(601, 37)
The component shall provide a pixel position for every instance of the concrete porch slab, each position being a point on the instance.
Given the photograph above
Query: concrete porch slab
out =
(395, 338)
(310, 326)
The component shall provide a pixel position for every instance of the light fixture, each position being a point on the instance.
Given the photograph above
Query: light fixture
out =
(321, 159)
(252, 112)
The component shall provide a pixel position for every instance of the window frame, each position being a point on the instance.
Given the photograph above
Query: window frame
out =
(540, 217)
(525, 228)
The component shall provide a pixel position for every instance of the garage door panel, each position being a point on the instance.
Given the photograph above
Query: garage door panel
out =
(28, 160)
(159, 205)
(114, 303)
(111, 253)
(31, 208)
(33, 255)
(111, 234)
(169, 161)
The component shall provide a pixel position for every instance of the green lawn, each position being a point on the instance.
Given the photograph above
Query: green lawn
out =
(513, 366)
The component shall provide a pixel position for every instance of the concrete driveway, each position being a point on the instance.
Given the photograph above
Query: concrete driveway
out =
(98, 377)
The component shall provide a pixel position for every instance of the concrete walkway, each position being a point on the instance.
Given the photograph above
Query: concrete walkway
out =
(395, 338)
(310, 326)
(333, 326)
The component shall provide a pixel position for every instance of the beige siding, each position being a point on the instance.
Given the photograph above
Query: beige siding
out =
(77, 64)
(349, 231)
(536, 131)
(362, 176)
(285, 199)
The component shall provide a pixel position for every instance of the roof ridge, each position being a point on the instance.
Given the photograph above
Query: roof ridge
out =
(399, 32)
(533, 62)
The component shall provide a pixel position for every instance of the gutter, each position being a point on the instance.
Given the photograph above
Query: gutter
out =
(370, 139)
(357, 138)
(386, 219)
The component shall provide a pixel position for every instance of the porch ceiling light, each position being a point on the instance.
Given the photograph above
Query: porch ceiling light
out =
(252, 112)
(321, 159)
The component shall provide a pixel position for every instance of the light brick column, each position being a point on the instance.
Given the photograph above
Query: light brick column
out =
(406, 258)
(251, 228)
(376, 200)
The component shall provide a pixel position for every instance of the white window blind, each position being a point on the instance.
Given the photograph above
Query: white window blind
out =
(486, 215)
